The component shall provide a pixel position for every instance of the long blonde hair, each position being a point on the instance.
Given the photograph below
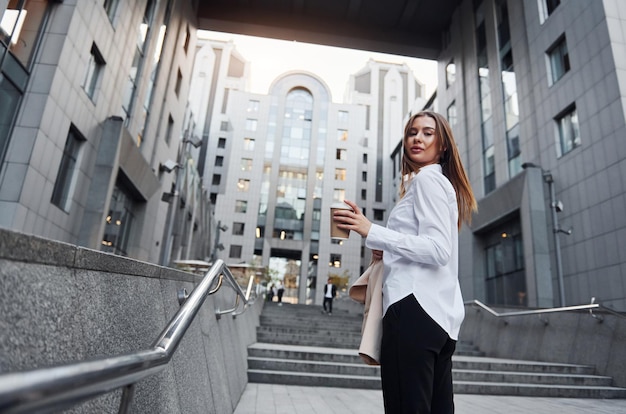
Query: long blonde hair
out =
(450, 162)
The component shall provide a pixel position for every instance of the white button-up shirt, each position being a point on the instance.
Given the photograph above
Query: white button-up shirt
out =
(420, 245)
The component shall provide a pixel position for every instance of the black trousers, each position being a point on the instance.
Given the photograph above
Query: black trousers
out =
(330, 304)
(416, 361)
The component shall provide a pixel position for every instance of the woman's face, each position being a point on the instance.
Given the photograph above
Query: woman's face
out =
(421, 144)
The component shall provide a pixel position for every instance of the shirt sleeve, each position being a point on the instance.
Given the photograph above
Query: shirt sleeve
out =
(430, 242)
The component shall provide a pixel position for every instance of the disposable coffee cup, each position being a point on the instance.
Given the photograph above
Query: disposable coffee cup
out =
(335, 232)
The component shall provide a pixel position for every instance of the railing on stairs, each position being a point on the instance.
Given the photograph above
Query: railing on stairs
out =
(590, 307)
(56, 388)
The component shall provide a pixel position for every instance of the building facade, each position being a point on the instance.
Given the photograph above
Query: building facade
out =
(275, 163)
(97, 144)
(93, 97)
(535, 94)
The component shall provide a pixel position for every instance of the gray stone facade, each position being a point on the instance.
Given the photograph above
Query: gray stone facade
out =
(61, 303)
(588, 179)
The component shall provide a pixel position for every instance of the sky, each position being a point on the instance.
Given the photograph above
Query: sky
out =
(270, 58)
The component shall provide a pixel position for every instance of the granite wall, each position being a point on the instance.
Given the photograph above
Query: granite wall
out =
(61, 303)
(563, 337)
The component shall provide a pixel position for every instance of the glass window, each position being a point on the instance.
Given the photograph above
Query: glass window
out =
(451, 112)
(546, 8)
(155, 64)
(364, 176)
(342, 118)
(217, 178)
(179, 82)
(66, 177)
(251, 124)
(568, 132)
(219, 161)
(221, 143)
(186, 39)
(504, 270)
(379, 214)
(110, 7)
(253, 105)
(558, 57)
(364, 158)
(490, 170)
(224, 126)
(20, 24)
(339, 194)
(170, 129)
(119, 221)
(235, 252)
(363, 194)
(138, 58)
(243, 185)
(238, 228)
(450, 73)
(246, 164)
(241, 206)
(94, 69)
(340, 174)
(248, 144)
(341, 154)
(9, 98)
(335, 260)
(342, 135)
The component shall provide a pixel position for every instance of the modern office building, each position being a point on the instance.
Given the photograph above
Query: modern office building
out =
(93, 105)
(275, 163)
(536, 91)
(94, 116)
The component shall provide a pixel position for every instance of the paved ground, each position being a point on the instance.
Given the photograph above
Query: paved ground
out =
(289, 399)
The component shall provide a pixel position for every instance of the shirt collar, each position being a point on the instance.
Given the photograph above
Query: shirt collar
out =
(437, 167)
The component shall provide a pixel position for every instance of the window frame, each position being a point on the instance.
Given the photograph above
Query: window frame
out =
(95, 68)
(67, 174)
(558, 63)
(572, 142)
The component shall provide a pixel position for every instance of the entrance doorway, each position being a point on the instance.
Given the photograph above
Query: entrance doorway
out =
(285, 267)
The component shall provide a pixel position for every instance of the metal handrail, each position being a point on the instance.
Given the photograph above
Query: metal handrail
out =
(51, 389)
(590, 307)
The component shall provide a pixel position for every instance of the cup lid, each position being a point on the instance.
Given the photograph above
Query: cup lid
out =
(340, 204)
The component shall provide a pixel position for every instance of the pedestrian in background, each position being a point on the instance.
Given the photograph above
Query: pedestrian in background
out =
(330, 291)
(280, 290)
(271, 293)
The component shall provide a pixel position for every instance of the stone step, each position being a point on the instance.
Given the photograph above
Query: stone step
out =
(337, 341)
(311, 328)
(271, 351)
(299, 345)
(315, 367)
(503, 364)
(313, 380)
(463, 375)
(537, 390)
(460, 387)
(308, 353)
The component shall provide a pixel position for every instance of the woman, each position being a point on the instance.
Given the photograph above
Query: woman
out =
(422, 303)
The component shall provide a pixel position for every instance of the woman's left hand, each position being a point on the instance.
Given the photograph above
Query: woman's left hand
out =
(352, 220)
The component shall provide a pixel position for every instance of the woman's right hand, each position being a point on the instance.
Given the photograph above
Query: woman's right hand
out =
(377, 254)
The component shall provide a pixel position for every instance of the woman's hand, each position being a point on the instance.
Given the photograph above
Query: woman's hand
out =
(352, 220)
(377, 254)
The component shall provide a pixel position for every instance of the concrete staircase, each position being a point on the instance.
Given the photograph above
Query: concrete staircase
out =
(299, 345)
